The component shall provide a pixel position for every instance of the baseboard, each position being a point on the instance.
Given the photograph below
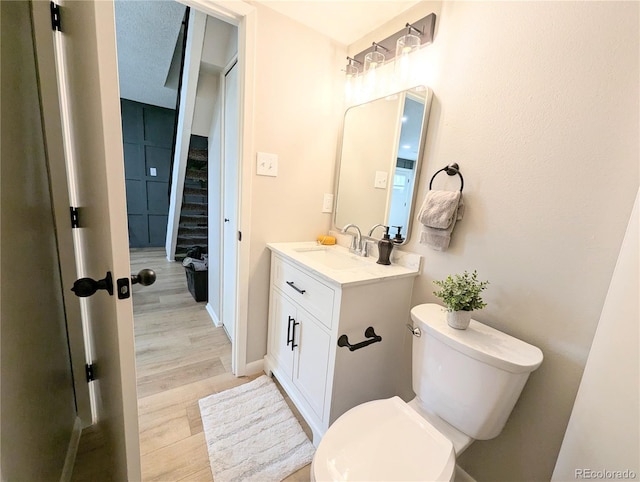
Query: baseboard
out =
(72, 450)
(216, 322)
(254, 367)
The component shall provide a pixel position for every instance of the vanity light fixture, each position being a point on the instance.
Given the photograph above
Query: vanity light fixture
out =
(425, 27)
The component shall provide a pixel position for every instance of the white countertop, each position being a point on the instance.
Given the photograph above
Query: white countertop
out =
(367, 270)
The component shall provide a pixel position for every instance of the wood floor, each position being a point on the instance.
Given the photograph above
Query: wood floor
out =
(180, 357)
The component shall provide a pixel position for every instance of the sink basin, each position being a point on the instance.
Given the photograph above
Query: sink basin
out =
(336, 265)
(331, 258)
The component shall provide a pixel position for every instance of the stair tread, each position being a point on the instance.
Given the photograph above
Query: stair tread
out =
(198, 191)
(198, 154)
(194, 206)
(196, 174)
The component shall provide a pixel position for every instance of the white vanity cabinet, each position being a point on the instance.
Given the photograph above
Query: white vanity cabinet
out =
(310, 306)
(299, 346)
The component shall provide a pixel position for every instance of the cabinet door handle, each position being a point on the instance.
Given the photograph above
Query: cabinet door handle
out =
(293, 335)
(289, 338)
(292, 284)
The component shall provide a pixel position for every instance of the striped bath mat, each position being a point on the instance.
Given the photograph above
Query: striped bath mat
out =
(252, 434)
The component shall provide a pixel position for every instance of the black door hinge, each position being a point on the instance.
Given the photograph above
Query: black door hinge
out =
(55, 17)
(91, 372)
(239, 235)
(75, 222)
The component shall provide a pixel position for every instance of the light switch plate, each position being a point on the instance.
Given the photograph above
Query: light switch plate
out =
(267, 164)
(327, 203)
(153, 171)
(380, 181)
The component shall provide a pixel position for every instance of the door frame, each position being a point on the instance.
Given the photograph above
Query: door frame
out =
(243, 16)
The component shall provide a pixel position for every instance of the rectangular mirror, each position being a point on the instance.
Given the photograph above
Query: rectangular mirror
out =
(382, 149)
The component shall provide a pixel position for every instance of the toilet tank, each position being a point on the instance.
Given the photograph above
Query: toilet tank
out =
(470, 378)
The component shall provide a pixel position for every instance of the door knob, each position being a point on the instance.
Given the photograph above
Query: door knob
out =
(87, 286)
(145, 277)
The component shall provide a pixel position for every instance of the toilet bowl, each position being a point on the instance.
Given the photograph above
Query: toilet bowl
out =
(377, 441)
(466, 384)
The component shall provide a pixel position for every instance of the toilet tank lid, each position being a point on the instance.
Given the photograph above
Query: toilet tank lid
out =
(479, 341)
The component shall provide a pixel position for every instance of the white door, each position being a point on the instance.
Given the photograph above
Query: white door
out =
(230, 201)
(89, 111)
(310, 372)
(283, 316)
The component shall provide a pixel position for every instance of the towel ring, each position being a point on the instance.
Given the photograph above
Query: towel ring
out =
(451, 170)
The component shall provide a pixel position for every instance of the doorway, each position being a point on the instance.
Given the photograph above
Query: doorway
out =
(178, 348)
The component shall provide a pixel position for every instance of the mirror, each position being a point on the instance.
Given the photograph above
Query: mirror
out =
(382, 149)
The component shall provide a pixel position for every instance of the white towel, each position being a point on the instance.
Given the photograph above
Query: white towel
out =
(438, 215)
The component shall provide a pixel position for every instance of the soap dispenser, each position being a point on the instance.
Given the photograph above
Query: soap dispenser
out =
(385, 245)
(398, 239)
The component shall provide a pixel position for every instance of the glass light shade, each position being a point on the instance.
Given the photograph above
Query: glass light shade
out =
(351, 71)
(373, 60)
(406, 44)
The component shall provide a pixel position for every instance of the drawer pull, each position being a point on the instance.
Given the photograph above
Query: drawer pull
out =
(369, 333)
(292, 284)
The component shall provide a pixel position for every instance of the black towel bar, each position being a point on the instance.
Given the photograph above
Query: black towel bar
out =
(452, 170)
(369, 333)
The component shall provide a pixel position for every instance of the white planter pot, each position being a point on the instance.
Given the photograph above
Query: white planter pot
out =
(459, 319)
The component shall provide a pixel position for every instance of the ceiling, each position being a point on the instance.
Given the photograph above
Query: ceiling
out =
(342, 20)
(147, 32)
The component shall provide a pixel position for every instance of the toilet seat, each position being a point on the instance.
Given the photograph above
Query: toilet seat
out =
(380, 441)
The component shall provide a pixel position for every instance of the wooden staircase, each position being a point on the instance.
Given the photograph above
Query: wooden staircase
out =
(193, 227)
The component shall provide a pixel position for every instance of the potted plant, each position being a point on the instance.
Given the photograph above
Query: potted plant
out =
(461, 295)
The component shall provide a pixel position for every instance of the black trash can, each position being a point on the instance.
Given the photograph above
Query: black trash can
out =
(197, 282)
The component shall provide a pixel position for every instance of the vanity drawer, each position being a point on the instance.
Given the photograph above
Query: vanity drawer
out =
(309, 293)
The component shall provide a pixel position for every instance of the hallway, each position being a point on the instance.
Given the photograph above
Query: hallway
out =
(180, 358)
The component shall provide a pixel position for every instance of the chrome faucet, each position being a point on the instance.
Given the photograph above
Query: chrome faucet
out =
(356, 241)
(373, 228)
(369, 240)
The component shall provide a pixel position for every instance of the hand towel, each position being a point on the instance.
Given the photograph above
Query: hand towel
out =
(438, 215)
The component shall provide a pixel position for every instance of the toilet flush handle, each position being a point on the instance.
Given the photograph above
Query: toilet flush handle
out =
(414, 331)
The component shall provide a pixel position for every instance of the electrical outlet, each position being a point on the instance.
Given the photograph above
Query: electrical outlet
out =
(267, 164)
(380, 181)
(327, 203)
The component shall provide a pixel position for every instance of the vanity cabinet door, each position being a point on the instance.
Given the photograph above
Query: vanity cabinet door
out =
(283, 312)
(312, 360)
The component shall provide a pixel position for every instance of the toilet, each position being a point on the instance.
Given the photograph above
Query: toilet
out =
(466, 384)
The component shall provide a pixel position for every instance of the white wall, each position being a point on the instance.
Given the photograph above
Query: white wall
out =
(297, 111)
(37, 399)
(206, 94)
(538, 102)
(220, 42)
(610, 384)
(219, 46)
